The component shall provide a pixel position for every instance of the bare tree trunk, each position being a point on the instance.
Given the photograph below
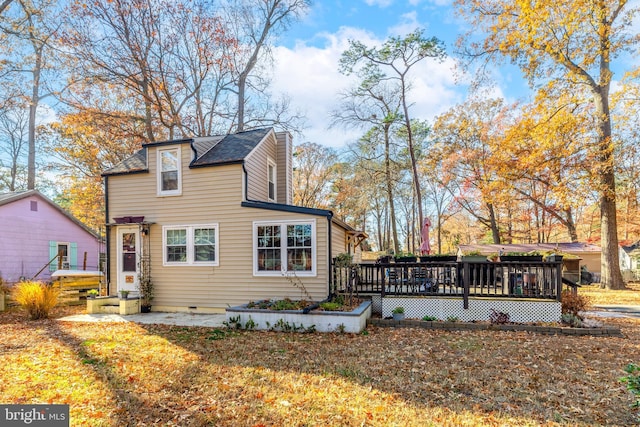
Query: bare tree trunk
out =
(412, 154)
(274, 14)
(611, 276)
(387, 170)
(33, 108)
(495, 232)
(571, 227)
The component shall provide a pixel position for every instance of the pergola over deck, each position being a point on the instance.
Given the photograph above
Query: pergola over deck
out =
(449, 283)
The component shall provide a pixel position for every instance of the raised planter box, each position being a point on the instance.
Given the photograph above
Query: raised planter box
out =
(521, 258)
(321, 321)
(438, 258)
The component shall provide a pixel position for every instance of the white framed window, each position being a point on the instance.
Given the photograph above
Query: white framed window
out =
(271, 179)
(284, 247)
(190, 245)
(68, 252)
(169, 172)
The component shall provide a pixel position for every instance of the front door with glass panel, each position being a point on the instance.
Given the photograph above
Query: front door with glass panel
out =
(128, 256)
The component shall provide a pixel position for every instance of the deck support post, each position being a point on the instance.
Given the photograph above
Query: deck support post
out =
(466, 276)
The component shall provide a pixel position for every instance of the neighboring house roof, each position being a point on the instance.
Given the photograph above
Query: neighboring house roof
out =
(209, 151)
(633, 249)
(567, 247)
(7, 198)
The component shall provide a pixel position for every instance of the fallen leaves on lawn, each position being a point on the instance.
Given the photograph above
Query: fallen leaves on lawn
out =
(127, 374)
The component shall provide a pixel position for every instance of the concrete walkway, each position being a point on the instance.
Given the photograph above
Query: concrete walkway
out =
(216, 320)
(616, 311)
(178, 319)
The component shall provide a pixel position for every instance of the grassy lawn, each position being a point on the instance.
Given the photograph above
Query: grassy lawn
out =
(598, 296)
(126, 374)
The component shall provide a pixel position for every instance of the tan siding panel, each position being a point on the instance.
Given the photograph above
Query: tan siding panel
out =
(285, 168)
(338, 240)
(256, 165)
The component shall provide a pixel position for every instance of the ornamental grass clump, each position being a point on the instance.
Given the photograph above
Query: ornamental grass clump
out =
(36, 297)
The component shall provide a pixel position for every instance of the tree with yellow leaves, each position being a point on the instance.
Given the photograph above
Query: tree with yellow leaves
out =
(550, 142)
(572, 43)
(82, 145)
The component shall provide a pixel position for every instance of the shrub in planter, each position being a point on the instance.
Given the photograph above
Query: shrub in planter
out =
(343, 260)
(36, 297)
(146, 294)
(398, 313)
(499, 317)
(521, 257)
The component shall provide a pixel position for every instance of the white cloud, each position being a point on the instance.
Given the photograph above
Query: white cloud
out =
(408, 24)
(310, 76)
(379, 3)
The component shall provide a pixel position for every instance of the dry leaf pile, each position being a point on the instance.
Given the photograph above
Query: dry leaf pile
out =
(125, 374)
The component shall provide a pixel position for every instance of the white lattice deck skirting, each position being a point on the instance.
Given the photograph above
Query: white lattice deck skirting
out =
(520, 311)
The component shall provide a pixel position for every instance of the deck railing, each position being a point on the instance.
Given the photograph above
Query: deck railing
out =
(525, 280)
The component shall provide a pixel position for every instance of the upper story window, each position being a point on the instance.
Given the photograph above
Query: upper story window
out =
(169, 172)
(271, 177)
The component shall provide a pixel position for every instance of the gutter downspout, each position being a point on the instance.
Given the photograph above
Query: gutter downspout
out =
(329, 257)
(107, 235)
(329, 223)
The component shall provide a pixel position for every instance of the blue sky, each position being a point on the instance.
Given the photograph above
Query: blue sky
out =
(307, 59)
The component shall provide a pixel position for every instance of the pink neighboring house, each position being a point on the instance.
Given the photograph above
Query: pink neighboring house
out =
(32, 231)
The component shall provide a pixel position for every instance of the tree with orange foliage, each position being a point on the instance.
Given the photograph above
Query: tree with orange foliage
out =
(469, 138)
(572, 43)
(82, 146)
(550, 142)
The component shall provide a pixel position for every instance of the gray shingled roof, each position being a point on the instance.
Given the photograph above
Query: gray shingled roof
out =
(136, 163)
(211, 151)
(232, 148)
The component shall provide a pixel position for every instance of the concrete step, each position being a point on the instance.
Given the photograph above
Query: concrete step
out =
(110, 309)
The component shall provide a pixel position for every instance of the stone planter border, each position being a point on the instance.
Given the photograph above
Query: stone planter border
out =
(321, 321)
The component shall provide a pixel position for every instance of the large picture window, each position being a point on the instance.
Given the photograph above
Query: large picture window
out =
(190, 245)
(284, 247)
(169, 174)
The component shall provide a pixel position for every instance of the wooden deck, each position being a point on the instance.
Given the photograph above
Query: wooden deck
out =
(520, 280)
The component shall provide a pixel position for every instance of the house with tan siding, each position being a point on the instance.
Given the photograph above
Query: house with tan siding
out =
(209, 221)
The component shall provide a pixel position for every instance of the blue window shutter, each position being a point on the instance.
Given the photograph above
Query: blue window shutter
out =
(73, 256)
(53, 251)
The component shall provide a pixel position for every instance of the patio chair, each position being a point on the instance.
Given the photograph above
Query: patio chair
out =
(421, 282)
(395, 280)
